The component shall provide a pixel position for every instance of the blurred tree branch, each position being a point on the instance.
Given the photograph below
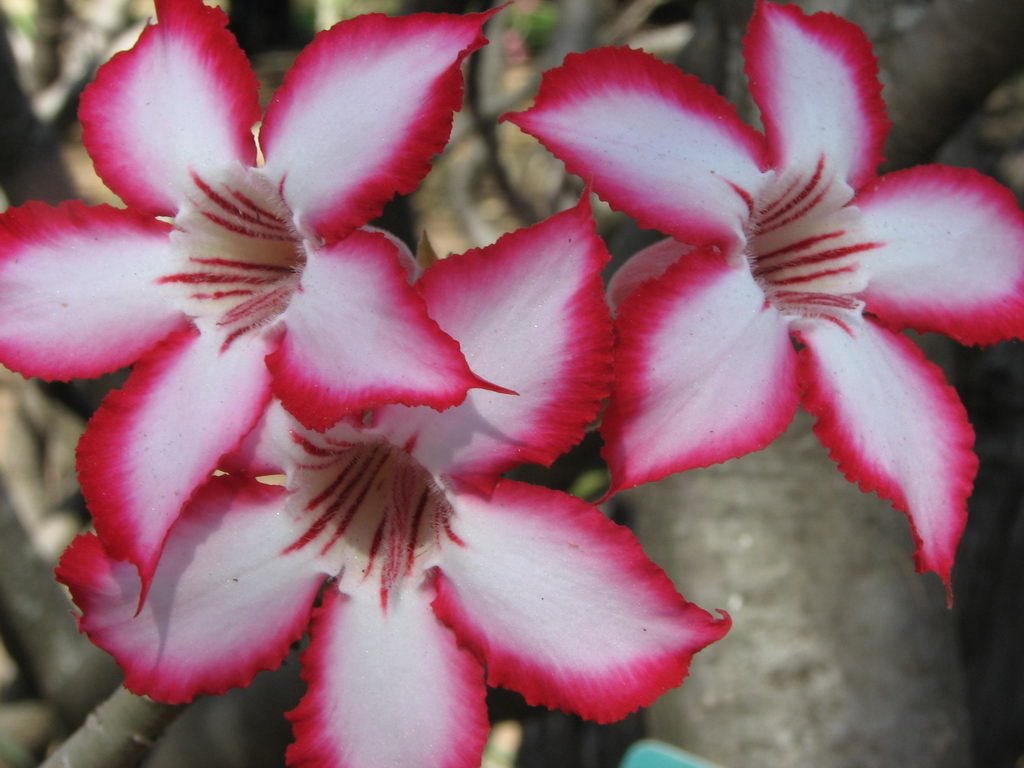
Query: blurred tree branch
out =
(483, 75)
(117, 735)
(940, 72)
(50, 18)
(65, 669)
(38, 631)
(31, 167)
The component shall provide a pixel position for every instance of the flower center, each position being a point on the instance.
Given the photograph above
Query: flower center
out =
(240, 259)
(371, 507)
(803, 245)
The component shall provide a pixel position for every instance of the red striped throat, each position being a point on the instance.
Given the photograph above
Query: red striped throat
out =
(240, 255)
(804, 245)
(370, 509)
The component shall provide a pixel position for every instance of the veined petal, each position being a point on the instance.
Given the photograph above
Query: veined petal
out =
(358, 335)
(183, 99)
(950, 256)
(79, 289)
(563, 606)
(894, 426)
(154, 441)
(225, 602)
(651, 141)
(647, 264)
(387, 689)
(361, 113)
(815, 79)
(705, 371)
(530, 315)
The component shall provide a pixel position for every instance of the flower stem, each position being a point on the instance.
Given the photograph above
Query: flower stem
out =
(116, 734)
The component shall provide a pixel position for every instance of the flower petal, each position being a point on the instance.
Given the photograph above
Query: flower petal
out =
(815, 79)
(268, 448)
(389, 689)
(705, 372)
(153, 442)
(225, 601)
(563, 605)
(529, 313)
(894, 426)
(361, 113)
(183, 99)
(951, 253)
(647, 264)
(79, 289)
(358, 335)
(652, 141)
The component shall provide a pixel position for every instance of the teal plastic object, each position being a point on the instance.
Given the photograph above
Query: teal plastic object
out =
(655, 754)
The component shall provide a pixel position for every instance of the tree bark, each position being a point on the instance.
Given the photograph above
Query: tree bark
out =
(117, 735)
(941, 71)
(840, 656)
(38, 630)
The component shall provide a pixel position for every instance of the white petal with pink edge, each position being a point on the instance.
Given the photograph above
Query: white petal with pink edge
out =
(651, 141)
(951, 253)
(705, 372)
(894, 426)
(79, 289)
(815, 79)
(154, 441)
(268, 448)
(358, 335)
(647, 264)
(361, 113)
(183, 99)
(225, 601)
(529, 314)
(387, 689)
(562, 604)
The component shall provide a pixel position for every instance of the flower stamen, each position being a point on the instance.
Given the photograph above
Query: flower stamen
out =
(239, 253)
(803, 246)
(375, 505)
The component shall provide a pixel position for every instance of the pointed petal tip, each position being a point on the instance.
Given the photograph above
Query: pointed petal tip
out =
(137, 467)
(721, 624)
(359, 336)
(93, 463)
(183, 97)
(569, 653)
(73, 308)
(844, 104)
(529, 314)
(927, 219)
(924, 562)
(225, 603)
(482, 383)
(907, 440)
(609, 115)
(386, 89)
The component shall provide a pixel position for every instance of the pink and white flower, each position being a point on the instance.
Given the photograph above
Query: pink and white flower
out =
(436, 569)
(780, 234)
(226, 280)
